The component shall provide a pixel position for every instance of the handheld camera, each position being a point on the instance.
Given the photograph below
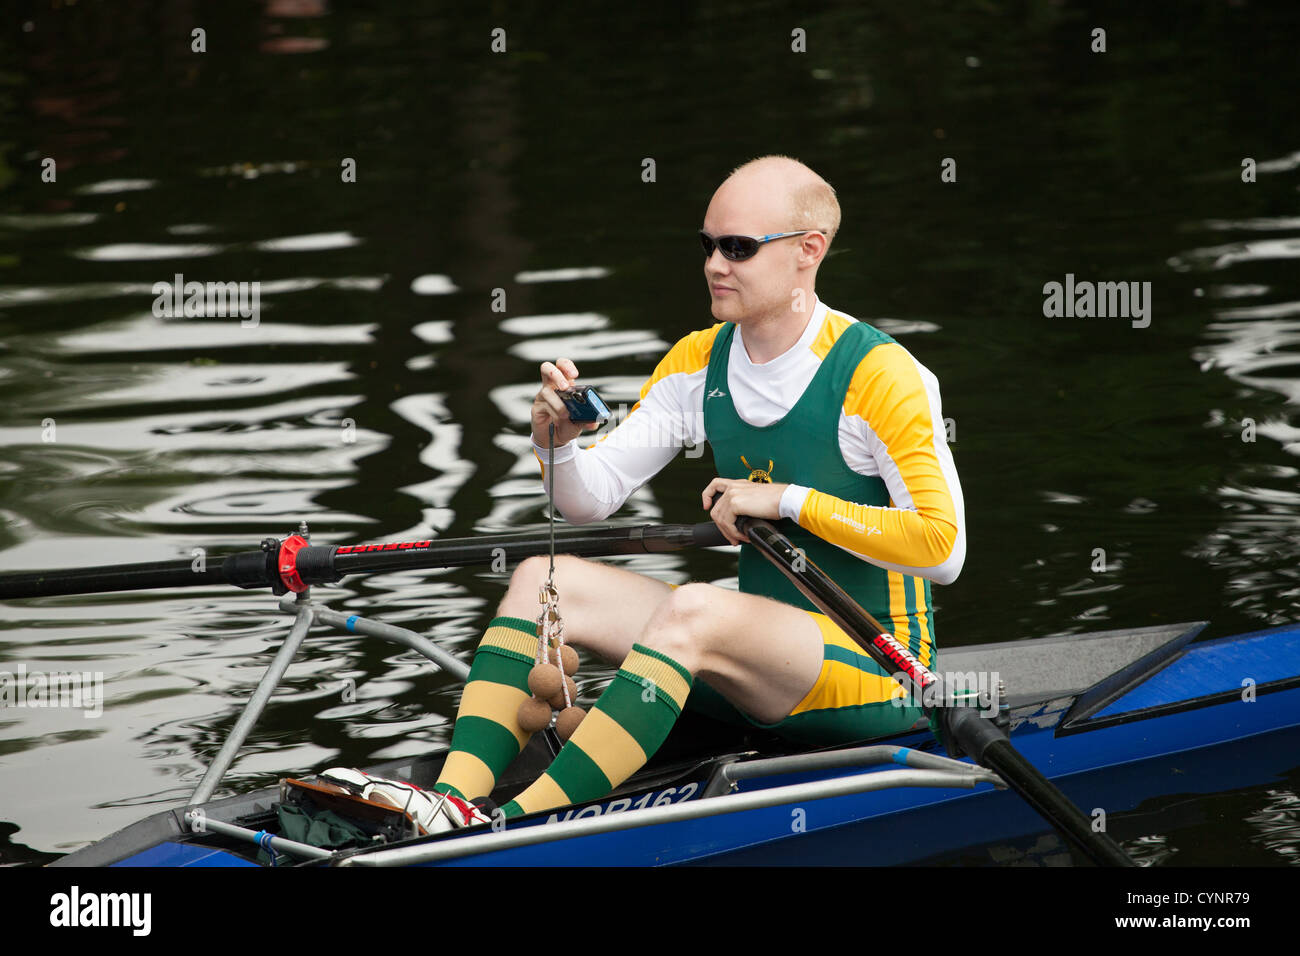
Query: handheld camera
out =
(584, 405)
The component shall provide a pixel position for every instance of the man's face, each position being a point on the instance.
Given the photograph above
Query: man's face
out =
(762, 285)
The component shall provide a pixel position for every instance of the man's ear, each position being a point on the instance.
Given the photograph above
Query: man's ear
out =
(812, 249)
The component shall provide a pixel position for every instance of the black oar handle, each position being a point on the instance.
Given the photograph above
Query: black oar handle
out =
(110, 577)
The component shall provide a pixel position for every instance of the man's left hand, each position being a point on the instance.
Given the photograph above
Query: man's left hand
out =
(727, 498)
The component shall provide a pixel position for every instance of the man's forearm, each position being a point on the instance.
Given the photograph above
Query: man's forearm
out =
(578, 496)
(930, 543)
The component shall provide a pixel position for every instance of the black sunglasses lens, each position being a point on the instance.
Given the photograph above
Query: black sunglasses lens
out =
(737, 248)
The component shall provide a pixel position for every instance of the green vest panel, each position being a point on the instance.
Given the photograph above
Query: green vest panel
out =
(803, 448)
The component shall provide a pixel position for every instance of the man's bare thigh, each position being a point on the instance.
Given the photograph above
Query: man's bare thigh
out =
(605, 609)
(760, 654)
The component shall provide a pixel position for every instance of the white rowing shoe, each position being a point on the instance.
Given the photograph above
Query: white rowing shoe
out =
(435, 812)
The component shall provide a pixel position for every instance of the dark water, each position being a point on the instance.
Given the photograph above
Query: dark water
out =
(380, 396)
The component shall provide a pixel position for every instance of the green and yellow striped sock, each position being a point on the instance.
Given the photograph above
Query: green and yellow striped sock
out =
(627, 725)
(487, 735)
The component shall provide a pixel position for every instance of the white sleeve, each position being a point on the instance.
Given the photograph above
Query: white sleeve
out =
(592, 483)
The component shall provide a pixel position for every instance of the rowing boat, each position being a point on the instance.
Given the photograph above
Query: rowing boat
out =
(1113, 718)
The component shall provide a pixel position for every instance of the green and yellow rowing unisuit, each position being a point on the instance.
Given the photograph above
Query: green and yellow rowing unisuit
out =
(853, 697)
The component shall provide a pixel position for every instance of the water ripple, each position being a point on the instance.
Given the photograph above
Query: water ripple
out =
(1222, 257)
(47, 220)
(146, 333)
(143, 252)
(559, 322)
(591, 348)
(109, 186)
(315, 242)
(433, 284)
(562, 275)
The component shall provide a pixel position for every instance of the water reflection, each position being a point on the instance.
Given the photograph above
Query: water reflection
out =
(1277, 825)
(1254, 345)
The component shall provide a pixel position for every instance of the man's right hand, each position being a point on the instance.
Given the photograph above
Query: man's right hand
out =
(547, 406)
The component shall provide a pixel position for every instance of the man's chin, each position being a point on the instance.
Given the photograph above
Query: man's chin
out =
(724, 309)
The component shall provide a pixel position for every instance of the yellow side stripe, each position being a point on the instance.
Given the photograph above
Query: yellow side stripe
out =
(898, 608)
(843, 685)
(923, 623)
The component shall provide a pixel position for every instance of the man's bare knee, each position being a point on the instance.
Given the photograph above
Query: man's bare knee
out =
(531, 574)
(691, 604)
(604, 608)
(683, 624)
(530, 571)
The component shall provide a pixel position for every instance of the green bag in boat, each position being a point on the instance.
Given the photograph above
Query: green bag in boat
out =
(324, 828)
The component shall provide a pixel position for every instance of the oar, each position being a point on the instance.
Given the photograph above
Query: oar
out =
(976, 735)
(291, 564)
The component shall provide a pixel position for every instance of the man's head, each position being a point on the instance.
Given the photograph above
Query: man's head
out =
(772, 194)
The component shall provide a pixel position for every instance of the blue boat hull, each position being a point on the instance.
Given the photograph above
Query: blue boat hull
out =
(1111, 748)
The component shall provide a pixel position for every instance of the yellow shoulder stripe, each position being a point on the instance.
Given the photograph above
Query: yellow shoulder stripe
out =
(832, 328)
(689, 355)
(887, 392)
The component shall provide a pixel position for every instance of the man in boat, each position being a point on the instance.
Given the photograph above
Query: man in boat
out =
(813, 418)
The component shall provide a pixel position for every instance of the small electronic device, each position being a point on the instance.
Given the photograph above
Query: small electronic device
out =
(584, 405)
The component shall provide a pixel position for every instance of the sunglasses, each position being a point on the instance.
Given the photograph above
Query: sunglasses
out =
(740, 248)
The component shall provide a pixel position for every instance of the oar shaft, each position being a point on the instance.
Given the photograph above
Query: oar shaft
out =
(321, 564)
(513, 548)
(1047, 799)
(976, 735)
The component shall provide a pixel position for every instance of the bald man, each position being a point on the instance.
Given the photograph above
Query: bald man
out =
(814, 418)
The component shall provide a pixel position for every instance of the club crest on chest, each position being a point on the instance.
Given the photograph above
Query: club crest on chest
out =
(761, 475)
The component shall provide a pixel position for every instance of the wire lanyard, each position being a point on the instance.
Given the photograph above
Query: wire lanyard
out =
(550, 627)
(550, 497)
(551, 679)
